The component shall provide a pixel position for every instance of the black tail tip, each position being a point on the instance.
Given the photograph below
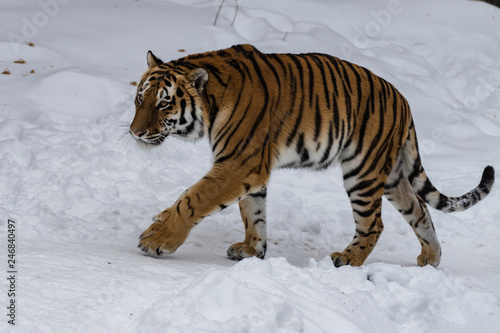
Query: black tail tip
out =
(487, 179)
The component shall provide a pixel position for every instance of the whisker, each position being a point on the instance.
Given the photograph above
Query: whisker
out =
(125, 144)
(123, 124)
(119, 140)
(123, 135)
(128, 141)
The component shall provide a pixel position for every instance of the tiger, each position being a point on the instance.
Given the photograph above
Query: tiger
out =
(262, 112)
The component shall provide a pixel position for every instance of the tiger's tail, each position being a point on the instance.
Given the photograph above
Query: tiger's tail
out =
(425, 190)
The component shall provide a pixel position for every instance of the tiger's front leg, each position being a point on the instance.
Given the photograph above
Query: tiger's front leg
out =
(253, 214)
(218, 189)
(168, 231)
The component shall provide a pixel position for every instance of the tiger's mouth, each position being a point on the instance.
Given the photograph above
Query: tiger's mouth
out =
(153, 142)
(156, 142)
(143, 140)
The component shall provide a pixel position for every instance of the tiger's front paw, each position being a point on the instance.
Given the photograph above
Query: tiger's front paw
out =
(346, 258)
(163, 236)
(340, 259)
(242, 250)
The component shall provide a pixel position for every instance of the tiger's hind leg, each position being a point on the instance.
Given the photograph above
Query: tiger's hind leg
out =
(253, 213)
(366, 202)
(402, 196)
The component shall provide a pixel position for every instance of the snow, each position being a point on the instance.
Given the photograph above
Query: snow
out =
(81, 191)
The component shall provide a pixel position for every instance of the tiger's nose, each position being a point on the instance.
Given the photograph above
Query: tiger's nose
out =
(137, 133)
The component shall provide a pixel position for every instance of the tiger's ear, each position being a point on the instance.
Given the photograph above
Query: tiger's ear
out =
(153, 61)
(197, 78)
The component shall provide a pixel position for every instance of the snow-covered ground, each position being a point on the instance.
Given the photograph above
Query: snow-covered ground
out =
(81, 192)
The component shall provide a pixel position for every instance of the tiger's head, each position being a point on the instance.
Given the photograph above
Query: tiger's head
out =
(168, 102)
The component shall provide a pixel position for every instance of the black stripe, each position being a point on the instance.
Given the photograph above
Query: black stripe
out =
(326, 154)
(179, 93)
(385, 145)
(279, 60)
(317, 120)
(408, 211)
(311, 80)
(299, 111)
(442, 203)
(360, 185)
(265, 59)
(213, 111)
(366, 234)
(340, 67)
(416, 171)
(393, 184)
(214, 71)
(191, 208)
(359, 146)
(224, 134)
(227, 156)
(261, 194)
(360, 202)
(264, 109)
(300, 143)
(182, 119)
(255, 152)
(178, 207)
(372, 93)
(372, 191)
(358, 85)
(426, 189)
(228, 125)
(300, 149)
(319, 63)
(364, 214)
